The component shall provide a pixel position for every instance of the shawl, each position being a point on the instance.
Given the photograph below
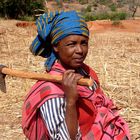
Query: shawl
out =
(97, 115)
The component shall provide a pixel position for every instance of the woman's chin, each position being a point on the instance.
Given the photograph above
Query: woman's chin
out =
(77, 65)
(73, 65)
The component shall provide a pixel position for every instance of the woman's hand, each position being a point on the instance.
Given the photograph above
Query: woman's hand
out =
(69, 83)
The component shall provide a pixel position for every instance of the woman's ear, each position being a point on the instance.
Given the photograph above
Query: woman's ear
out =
(55, 48)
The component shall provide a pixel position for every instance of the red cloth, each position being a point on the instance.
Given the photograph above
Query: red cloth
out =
(96, 115)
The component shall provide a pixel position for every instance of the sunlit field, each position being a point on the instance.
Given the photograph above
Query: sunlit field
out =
(113, 54)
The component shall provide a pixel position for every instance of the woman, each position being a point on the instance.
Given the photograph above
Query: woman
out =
(67, 111)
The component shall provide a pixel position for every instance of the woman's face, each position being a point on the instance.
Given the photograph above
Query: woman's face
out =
(72, 51)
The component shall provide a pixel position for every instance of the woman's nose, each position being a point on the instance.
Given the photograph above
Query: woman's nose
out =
(79, 48)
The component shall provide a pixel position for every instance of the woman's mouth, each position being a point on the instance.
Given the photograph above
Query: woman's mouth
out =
(79, 60)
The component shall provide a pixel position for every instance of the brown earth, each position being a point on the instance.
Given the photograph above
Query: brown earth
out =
(99, 26)
(122, 26)
(114, 54)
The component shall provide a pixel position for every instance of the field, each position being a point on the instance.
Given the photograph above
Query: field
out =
(114, 53)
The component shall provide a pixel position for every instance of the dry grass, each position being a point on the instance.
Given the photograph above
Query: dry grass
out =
(115, 56)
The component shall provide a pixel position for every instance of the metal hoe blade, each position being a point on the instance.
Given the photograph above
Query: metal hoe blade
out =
(2, 80)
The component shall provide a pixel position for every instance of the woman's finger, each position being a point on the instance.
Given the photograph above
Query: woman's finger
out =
(67, 74)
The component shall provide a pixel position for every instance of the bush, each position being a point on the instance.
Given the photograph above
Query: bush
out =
(118, 16)
(16, 8)
(113, 7)
(89, 16)
(88, 9)
(102, 16)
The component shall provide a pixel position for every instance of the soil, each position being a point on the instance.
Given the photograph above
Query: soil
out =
(121, 26)
(99, 25)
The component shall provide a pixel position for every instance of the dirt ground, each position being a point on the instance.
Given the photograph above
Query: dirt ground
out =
(114, 54)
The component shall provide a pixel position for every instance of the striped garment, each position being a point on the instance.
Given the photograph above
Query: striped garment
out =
(53, 112)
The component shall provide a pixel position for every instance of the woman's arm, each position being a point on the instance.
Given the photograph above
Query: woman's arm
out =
(69, 84)
(53, 114)
(71, 120)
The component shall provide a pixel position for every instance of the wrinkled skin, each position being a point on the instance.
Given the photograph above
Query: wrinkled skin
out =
(71, 51)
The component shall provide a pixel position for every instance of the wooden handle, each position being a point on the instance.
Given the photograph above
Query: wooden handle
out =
(39, 76)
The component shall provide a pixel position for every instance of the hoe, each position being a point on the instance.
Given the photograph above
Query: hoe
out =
(36, 76)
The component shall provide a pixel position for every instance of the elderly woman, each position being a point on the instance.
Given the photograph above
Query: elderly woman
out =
(67, 111)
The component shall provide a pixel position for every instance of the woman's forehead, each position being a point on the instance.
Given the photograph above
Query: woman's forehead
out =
(74, 37)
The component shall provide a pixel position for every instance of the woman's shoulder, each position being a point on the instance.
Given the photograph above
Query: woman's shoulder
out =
(44, 88)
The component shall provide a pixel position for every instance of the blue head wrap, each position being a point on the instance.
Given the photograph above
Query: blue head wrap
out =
(54, 26)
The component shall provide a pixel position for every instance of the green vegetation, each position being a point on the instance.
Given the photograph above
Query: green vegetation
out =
(113, 7)
(104, 9)
(118, 16)
(88, 9)
(93, 9)
(19, 8)
(89, 16)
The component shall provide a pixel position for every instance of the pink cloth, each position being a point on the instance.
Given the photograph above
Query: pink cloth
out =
(98, 117)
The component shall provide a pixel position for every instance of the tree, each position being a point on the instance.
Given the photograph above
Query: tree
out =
(16, 8)
(133, 6)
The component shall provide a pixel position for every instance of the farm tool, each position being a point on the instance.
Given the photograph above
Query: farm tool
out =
(36, 76)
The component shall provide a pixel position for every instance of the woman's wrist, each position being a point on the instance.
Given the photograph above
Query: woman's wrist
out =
(70, 103)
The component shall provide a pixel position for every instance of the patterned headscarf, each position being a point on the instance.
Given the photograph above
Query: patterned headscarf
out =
(54, 26)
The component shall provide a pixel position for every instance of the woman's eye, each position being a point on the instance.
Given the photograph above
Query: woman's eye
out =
(71, 44)
(84, 43)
